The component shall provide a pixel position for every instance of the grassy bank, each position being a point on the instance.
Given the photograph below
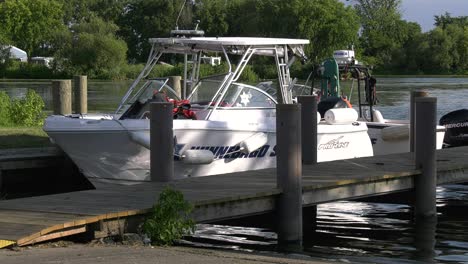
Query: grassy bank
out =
(23, 137)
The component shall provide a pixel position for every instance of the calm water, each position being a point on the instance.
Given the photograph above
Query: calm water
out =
(358, 232)
(103, 96)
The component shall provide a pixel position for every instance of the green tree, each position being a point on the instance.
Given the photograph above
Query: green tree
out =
(77, 11)
(214, 14)
(329, 26)
(380, 33)
(95, 50)
(455, 30)
(4, 52)
(447, 50)
(441, 42)
(30, 24)
(444, 20)
(242, 18)
(409, 58)
(145, 19)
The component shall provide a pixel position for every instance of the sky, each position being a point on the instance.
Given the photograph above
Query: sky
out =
(423, 11)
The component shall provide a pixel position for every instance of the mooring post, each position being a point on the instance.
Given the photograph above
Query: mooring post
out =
(289, 173)
(81, 94)
(309, 128)
(413, 96)
(175, 83)
(161, 142)
(309, 153)
(425, 157)
(61, 97)
(425, 239)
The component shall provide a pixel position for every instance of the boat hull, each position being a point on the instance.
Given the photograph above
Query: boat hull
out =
(104, 149)
(390, 138)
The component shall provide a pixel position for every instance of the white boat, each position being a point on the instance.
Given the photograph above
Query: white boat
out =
(388, 136)
(234, 122)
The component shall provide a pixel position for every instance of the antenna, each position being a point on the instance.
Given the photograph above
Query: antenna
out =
(180, 12)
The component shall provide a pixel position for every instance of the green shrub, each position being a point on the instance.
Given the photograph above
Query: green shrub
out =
(5, 105)
(131, 71)
(163, 70)
(249, 75)
(208, 70)
(169, 220)
(22, 70)
(27, 111)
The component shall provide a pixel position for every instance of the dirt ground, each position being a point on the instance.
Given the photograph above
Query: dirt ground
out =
(120, 254)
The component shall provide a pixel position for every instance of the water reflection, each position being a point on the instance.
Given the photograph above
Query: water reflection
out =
(365, 232)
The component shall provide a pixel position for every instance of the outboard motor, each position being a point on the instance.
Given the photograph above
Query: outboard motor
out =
(456, 125)
(329, 103)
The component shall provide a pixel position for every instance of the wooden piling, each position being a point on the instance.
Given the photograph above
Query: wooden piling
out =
(161, 142)
(309, 128)
(175, 83)
(425, 231)
(425, 156)
(413, 96)
(289, 173)
(61, 97)
(81, 94)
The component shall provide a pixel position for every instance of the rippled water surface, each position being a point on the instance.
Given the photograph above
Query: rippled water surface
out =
(358, 232)
(363, 232)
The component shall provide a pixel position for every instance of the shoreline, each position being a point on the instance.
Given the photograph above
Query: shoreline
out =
(8, 80)
(71, 253)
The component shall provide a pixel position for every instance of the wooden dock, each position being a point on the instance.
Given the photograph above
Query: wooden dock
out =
(115, 208)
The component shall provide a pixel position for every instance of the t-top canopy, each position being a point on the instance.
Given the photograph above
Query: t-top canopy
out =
(227, 41)
(234, 45)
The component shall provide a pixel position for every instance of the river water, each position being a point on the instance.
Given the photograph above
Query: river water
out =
(348, 231)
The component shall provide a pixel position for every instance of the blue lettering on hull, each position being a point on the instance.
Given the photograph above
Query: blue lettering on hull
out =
(233, 152)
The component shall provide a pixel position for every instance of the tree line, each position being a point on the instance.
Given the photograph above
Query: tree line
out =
(109, 38)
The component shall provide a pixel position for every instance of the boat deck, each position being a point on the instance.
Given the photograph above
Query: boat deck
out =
(112, 207)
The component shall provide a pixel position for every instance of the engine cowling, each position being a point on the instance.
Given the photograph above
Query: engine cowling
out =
(456, 125)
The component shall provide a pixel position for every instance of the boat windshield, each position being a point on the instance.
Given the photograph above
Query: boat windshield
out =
(206, 94)
(205, 90)
(134, 105)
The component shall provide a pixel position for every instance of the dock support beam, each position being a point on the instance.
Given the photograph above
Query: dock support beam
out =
(289, 173)
(80, 90)
(61, 97)
(413, 96)
(309, 128)
(161, 142)
(425, 157)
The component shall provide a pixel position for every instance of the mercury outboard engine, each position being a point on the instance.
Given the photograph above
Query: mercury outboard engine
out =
(456, 125)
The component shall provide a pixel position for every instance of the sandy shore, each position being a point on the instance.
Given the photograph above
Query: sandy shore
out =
(85, 253)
